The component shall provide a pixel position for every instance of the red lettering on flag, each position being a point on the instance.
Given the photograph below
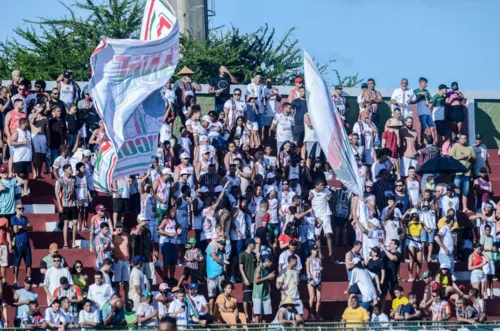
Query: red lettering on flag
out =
(162, 24)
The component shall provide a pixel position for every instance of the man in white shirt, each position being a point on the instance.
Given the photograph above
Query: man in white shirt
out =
(233, 108)
(53, 277)
(88, 316)
(146, 314)
(444, 239)
(53, 316)
(272, 98)
(257, 89)
(360, 99)
(65, 311)
(136, 284)
(320, 203)
(283, 124)
(199, 303)
(363, 279)
(291, 251)
(403, 98)
(99, 292)
(178, 308)
(448, 201)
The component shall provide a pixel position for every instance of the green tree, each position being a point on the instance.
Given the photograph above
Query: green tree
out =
(47, 47)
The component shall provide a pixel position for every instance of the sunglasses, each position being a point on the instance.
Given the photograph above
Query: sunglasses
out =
(399, 185)
(236, 94)
(20, 208)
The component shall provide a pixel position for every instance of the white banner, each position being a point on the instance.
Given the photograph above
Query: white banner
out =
(127, 76)
(329, 129)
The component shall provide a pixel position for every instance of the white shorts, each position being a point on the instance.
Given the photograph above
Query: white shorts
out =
(4, 256)
(262, 307)
(40, 143)
(148, 268)
(489, 269)
(121, 271)
(253, 126)
(407, 162)
(326, 226)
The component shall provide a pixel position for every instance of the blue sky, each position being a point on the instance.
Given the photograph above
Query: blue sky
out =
(442, 40)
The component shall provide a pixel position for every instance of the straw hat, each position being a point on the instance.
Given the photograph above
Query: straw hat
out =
(288, 302)
(185, 71)
(394, 123)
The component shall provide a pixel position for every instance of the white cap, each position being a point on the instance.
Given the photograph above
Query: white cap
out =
(205, 149)
(203, 138)
(184, 156)
(87, 152)
(375, 222)
(218, 189)
(203, 189)
(293, 176)
(185, 171)
(206, 118)
(413, 211)
(270, 175)
(268, 189)
(166, 171)
(444, 266)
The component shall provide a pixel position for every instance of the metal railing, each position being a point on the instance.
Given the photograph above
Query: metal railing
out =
(321, 326)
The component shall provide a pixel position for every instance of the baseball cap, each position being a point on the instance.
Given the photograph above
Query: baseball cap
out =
(442, 86)
(87, 152)
(28, 280)
(119, 225)
(454, 84)
(206, 118)
(298, 80)
(193, 286)
(191, 241)
(270, 175)
(146, 294)
(444, 266)
(364, 85)
(100, 208)
(369, 183)
(53, 247)
(338, 87)
(166, 171)
(376, 250)
(185, 172)
(425, 274)
(413, 211)
(479, 136)
(66, 74)
(203, 189)
(163, 287)
(3, 170)
(184, 156)
(137, 259)
(375, 222)
(450, 188)
(250, 241)
(314, 247)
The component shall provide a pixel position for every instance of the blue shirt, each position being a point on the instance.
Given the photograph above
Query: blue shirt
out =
(21, 237)
(8, 197)
(251, 116)
(214, 269)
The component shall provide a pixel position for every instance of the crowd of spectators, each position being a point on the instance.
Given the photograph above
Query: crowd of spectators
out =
(243, 194)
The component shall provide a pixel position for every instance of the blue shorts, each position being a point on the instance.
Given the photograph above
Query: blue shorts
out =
(219, 108)
(462, 182)
(426, 121)
(169, 253)
(260, 120)
(22, 251)
(427, 237)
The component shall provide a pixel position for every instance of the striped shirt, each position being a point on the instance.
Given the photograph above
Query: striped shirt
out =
(194, 253)
(66, 188)
(382, 190)
(95, 223)
(72, 293)
(429, 152)
(103, 249)
(440, 311)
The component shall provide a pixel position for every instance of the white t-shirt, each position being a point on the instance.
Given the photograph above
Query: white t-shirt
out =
(319, 204)
(136, 278)
(284, 125)
(123, 187)
(235, 108)
(175, 306)
(428, 217)
(363, 278)
(283, 260)
(446, 203)
(68, 316)
(199, 302)
(81, 188)
(307, 228)
(99, 295)
(405, 97)
(413, 187)
(145, 310)
(447, 238)
(93, 316)
(258, 92)
(54, 318)
(270, 103)
(240, 224)
(391, 226)
(53, 278)
(165, 132)
(59, 163)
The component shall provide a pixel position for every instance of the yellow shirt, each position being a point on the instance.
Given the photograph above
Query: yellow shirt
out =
(414, 228)
(396, 302)
(355, 316)
(441, 223)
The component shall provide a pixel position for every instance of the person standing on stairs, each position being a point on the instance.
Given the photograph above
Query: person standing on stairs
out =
(65, 190)
(122, 247)
(21, 225)
(121, 198)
